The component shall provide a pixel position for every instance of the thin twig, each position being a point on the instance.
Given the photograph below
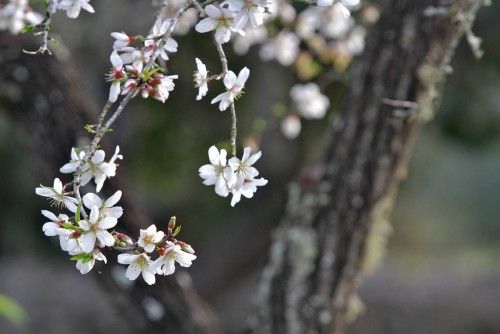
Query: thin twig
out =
(103, 129)
(225, 69)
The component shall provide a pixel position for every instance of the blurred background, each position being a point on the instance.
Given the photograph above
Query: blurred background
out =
(442, 269)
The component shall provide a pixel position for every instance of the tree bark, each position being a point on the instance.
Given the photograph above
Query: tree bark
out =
(43, 98)
(336, 224)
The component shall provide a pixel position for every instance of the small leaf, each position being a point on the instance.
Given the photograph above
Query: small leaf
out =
(176, 231)
(12, 311)
(84, 257)
(77, 213)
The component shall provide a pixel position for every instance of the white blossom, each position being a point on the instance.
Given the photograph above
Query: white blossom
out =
(241, 44)
(248, 12)
(236, 176)
(234, 88)
(165, 263)
(122, 40)
(284, 48)
(86, 262)
(16, 14)
(201, 79)
(247, 188)
(219, 19)
(55, 225)
(73, 7)
(243, 168)
(138, 264)
(291, 126)
(149, 238)
(116, 76)
(57, 195)
(160, 28)
(95, 230)
(95, 167)
(106, 208)
(310, 103)
(217, 173)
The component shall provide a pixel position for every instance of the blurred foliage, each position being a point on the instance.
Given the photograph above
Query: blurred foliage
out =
(12, 311)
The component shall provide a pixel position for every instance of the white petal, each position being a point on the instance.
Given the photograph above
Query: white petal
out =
(213, 155)
(230, 79)
(105, 237)
(90, 200)
(107, 223)
(115, 59)
(94, 214)
(205, 25)
(149, 277)
(113, 199)
(127, 258)
(221, 187)
(243, 76)
(87, 241)
(133, 271)
(50, 215)
(98, 157)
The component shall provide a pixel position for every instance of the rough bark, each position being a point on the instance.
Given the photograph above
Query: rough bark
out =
(336, 223)
(43, 98)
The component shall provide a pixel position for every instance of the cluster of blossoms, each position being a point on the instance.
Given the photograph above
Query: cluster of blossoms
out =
(17, 14)
(318, 34)
(84, 235)
(233, 176)
(130, 58)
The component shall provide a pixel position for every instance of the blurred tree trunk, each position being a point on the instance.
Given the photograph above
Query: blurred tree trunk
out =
(336, 223)
(42, 95)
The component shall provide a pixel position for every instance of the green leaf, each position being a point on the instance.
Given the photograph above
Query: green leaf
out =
(28, 28)
(72, 227)
(176, 231)
(77, 213)
(84, 257)
(12, 311)
(89, 128)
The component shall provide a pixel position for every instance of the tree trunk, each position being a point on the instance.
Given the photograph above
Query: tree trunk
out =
(42, 95)
(336, 224)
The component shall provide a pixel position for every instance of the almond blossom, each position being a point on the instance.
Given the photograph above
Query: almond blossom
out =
(221, 20)
(94, 231)
(248, 12)
(171, 253)
(243, 169)
(234, 88)
(106, 208)
(149, 238)
(16, 14)
(95, 167)
(73, 7)
(201, 79)
(159, 29)
(138, 264)
(246, 188)
(116, 76)
(236, 177)
(86, 261)
(58, 196)
(310, 103)
(217, 173)
(122, 40)
(56, 224)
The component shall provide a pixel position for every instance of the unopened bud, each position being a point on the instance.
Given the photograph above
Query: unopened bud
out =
(171, 224)
(185, 247)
